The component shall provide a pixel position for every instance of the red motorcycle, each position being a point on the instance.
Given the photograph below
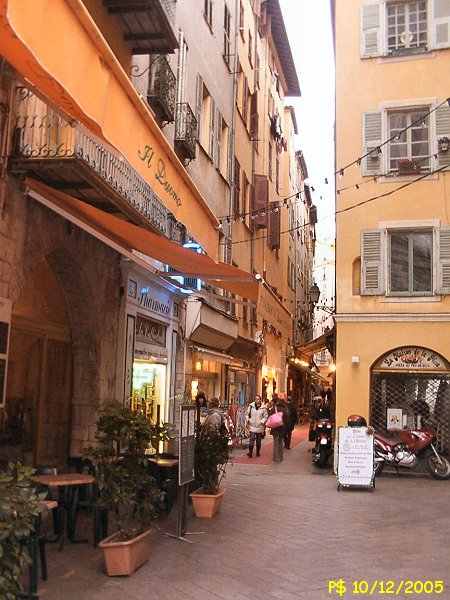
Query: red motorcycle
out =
(407, 449)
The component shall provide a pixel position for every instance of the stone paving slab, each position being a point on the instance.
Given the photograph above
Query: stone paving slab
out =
(284, 532)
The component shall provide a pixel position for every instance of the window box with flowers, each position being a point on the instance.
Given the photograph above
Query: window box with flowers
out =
(408, 167)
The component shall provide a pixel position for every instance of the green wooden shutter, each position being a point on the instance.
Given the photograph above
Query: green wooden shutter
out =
(443, 262)
(440, 24)
(372, 138)
(261, 202)
(372, 272)
(370, 30)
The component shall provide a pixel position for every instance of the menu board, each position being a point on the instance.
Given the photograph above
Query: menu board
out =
(187, 443)
(355, 464)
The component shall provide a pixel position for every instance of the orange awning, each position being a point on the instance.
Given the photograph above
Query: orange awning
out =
(44, 40)
(131, 237)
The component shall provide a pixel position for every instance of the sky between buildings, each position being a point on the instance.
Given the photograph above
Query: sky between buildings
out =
(308, 25)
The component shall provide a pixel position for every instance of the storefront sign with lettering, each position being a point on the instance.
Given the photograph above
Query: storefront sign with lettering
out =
(414, 357)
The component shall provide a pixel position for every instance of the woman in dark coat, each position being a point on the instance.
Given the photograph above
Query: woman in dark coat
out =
(278, 432)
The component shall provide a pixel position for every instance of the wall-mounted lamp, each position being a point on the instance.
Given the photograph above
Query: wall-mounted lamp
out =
(314, 293)
(355, 360)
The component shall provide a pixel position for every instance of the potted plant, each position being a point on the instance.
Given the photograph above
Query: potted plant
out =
(125, 487)
(408, 167)
(20, 504)
(212, 452)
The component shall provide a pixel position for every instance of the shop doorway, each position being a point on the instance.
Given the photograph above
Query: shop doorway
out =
(36, 422)
(411, 386)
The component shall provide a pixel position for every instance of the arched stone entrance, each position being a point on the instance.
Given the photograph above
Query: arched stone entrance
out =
(39, 384)
(411, 385)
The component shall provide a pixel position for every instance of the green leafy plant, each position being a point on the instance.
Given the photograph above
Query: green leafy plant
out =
(19, 506)
(125, 487)
(211, 457)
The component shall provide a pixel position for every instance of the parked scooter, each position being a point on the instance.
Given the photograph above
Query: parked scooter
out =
(323, 449)
(408, 449)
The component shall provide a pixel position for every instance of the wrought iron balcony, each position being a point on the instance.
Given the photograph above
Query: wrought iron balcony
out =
(185, 131)
(161, 89)
(147, 25)
(49, 148)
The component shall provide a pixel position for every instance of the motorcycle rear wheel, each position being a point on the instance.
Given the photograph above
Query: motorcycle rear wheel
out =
(323, 457)
(438, 470)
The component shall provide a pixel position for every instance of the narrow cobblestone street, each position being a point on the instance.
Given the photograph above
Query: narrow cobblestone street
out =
(284, 532)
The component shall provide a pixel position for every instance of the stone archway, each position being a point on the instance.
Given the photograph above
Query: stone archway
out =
(53, 373)
(412, 384)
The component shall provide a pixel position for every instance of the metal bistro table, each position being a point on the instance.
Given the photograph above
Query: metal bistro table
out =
(67, 484)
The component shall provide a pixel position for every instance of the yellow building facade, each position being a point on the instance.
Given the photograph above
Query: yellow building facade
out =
(392, 212)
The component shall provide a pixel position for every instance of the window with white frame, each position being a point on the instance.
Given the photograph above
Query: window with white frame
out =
(406, 26)
(410, 143)
(405, 140)
(406, 261)
(396, 27)
(227, 36)
(410, 263)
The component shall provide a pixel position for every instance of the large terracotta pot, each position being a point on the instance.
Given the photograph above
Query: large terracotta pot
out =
(206, 505)
(122, 558)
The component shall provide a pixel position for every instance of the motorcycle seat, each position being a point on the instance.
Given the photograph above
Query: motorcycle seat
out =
(389, 439)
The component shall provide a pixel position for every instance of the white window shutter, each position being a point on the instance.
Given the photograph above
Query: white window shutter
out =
(198, 105)
(440, 24)
(443, 262)
(372, 139)
(371, 30)
(443, 130)
(212, 128)
(372, 272)
(218, 139)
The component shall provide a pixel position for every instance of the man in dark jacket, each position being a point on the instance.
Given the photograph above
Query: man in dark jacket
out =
(291, 421)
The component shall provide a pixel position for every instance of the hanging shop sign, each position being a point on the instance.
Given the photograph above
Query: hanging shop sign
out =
(413, 358)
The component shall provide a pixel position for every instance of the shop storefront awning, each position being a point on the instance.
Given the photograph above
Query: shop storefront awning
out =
(323, 342)
(43, 40)
(131, 237)
(314, 375)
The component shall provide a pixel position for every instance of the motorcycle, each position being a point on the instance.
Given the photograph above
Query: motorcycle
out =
(323, 448)
(408, 449)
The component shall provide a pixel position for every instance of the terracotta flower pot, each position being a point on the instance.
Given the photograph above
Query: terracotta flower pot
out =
(123, 558)
(207, 505)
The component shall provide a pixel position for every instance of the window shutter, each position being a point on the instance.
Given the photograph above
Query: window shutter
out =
(372, 138)
(228, 250)
(443, 130)
(218, 139)
(254, 116)
(440, 24)
(261, 201)
(212, 127)
(443, 263)
(198, 105)
(275, 226)
(237, 188)
(372, 262)
(370, 30)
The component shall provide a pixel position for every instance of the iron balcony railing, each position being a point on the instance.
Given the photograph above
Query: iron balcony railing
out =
(185, 130)
(46, 143)
(161, 89)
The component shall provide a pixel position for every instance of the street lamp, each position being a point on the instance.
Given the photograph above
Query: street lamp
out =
(314, 293)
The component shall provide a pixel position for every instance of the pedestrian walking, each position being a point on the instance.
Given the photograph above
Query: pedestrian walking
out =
(277, 431)
(291, 421)
(215, 416)
(256, 422)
